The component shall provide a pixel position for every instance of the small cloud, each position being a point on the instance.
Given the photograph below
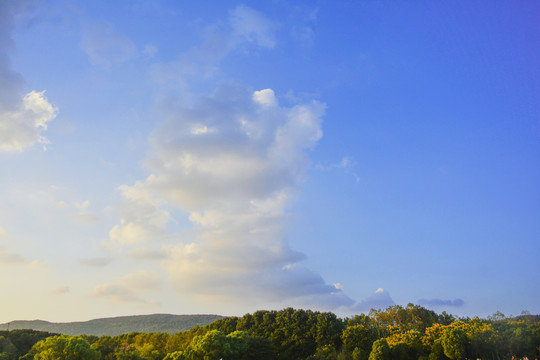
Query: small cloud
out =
(380, 299)
(96, 262)
(346, 164)
(265, 97)
(201, 129)
(441, 302)
(60, 290)
(338, 286)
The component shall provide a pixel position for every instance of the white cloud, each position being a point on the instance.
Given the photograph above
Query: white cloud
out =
(105, 46)
(235, 182)
(23, 127)
(265, 97)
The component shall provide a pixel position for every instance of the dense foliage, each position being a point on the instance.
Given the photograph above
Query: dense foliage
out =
(401, 333)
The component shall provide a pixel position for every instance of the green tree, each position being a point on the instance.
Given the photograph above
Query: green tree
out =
(8, 351)
(64, 348)
(454, 343)
(357, 338)
(380, 350)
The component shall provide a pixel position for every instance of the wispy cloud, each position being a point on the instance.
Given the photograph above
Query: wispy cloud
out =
(347, 164)
(440, 302)
(244, 28)
(105, 46)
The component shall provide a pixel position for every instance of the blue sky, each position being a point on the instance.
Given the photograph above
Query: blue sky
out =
(224, 157)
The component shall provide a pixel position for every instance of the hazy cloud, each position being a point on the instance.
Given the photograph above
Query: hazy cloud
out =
(7, 257)
(441, 302)
(105, 46)
(129, 288)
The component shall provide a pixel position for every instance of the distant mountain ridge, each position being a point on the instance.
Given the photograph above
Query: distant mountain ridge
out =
(113, 326)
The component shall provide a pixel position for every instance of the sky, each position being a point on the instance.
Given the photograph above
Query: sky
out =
(221, 157)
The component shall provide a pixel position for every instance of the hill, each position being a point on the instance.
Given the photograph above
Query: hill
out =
(118, 325)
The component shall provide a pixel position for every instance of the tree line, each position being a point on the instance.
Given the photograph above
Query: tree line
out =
(401, 333)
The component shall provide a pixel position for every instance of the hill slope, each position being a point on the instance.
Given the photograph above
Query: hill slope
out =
(118, 325)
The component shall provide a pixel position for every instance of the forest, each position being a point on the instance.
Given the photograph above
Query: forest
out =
(398, 332)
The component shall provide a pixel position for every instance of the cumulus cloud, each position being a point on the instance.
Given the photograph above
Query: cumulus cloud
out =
(23, 127)
(235, 182)
(441, 302)
(23, 118)
(380, 299)
(105, 46)
(130, 288)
